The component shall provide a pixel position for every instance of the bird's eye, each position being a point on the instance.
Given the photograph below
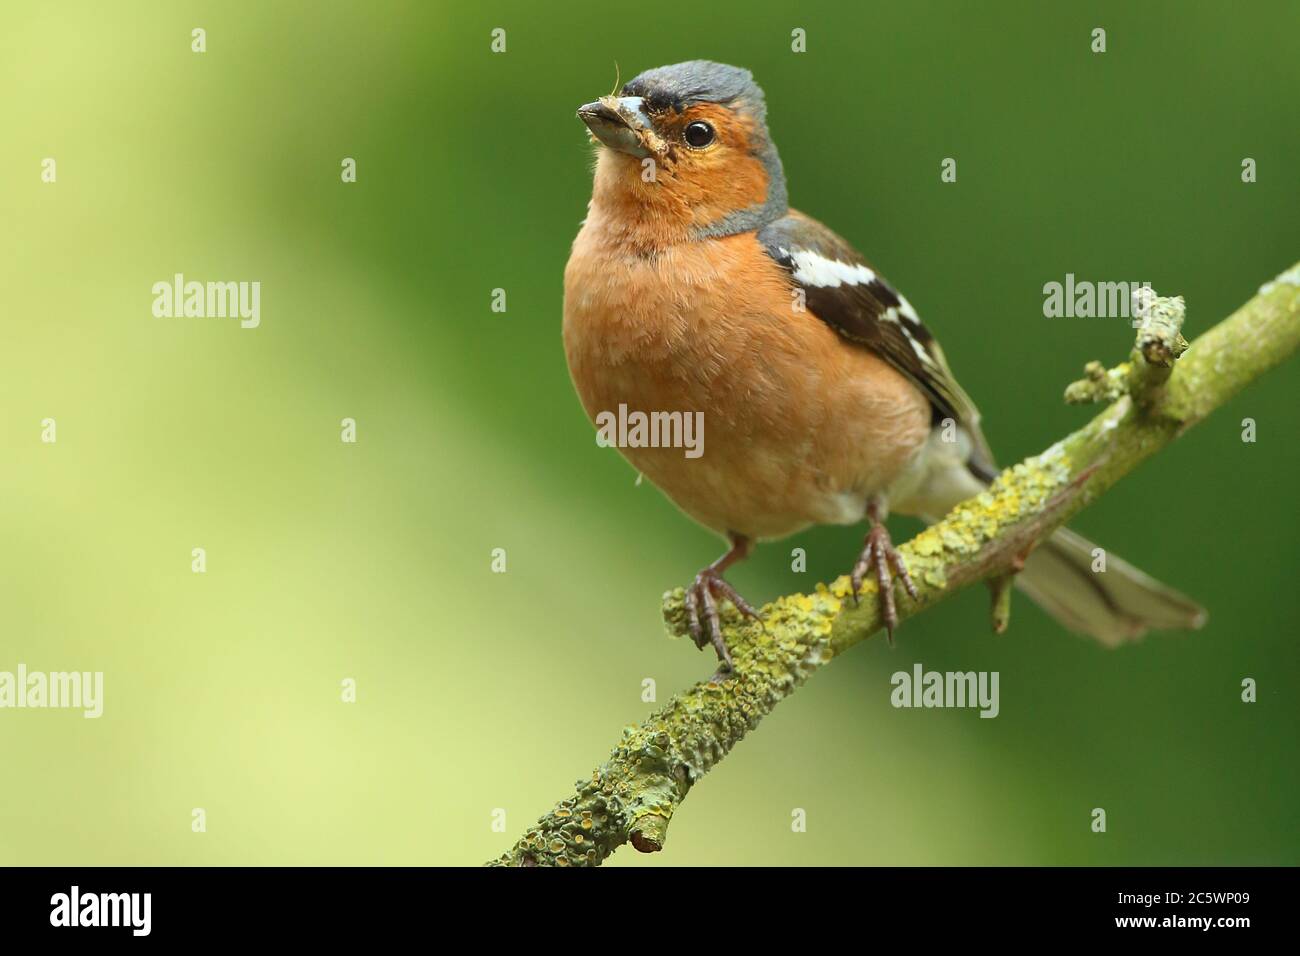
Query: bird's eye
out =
(698, 134)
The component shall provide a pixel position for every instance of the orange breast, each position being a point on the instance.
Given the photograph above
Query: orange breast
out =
(799, 426)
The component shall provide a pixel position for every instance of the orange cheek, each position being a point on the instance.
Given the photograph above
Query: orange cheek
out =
(723, 183)
(693, 189)
(726, 178)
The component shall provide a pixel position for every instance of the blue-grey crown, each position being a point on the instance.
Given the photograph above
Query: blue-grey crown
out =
(698, 81)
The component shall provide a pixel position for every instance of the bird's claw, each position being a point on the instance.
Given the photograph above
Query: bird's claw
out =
(702, 603)
(878, 552)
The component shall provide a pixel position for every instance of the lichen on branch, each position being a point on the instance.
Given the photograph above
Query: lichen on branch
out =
(1159, 344)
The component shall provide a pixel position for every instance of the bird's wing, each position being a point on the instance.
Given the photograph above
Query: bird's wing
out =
(846, 293)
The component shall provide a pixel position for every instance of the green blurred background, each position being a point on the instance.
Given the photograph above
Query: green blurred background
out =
(371, 561)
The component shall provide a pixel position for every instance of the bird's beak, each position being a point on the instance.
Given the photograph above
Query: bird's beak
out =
(620, 123)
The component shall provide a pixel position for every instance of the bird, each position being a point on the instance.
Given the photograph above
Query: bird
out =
(693, 288)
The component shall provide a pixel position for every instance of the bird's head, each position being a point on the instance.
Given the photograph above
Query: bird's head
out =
(687, 146)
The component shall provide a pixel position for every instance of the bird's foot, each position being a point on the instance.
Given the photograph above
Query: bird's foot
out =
(878, 553)
(702, 599)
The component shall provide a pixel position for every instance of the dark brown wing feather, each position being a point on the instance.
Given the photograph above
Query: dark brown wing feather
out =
(843, 290)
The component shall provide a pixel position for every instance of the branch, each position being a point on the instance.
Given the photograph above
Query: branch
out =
(1163, 389)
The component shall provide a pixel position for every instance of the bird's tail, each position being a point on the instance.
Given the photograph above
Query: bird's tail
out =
(1114, 605)
(1100, 595)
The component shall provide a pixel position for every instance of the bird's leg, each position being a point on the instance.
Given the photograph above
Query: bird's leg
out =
(703, 595)
(878, 552)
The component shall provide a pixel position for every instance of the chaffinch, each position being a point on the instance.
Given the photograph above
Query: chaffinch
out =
(694, 288)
